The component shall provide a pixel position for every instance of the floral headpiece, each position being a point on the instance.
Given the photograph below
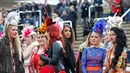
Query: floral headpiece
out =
(27, 31)
(100, 26)
(12, 18)
(1, 35)
(115, 21)
(47, 22)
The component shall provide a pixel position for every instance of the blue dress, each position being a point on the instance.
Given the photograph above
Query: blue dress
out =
(93, 57)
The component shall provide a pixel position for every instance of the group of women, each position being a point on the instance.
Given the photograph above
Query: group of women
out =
(111, 57)
(50, 50)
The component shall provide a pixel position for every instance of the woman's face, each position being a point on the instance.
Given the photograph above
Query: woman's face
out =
(95, 38)
(67, 32)
(13, 31)
(112, 36)
(27, 39)
(41, 39)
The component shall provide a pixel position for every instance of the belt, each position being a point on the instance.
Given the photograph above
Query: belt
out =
(93, 68)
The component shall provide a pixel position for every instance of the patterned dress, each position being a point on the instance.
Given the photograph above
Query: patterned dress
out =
(93, 57)
(121, 64)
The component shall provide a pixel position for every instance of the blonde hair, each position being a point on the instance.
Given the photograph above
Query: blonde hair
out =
(86, 43)
(16, 41)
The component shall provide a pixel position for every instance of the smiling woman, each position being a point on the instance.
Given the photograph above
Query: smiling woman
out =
(10, 48)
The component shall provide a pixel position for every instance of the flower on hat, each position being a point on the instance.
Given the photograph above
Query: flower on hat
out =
(27, 31)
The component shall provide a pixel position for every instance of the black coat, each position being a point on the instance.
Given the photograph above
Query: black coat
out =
(54, 55)
(73, 17)
(5, 58)
(85, 10)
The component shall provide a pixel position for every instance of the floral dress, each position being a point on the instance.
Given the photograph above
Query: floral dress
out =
(93, 58)
(121, 64)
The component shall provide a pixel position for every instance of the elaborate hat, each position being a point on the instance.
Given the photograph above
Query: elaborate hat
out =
(27, 31)
(100, 26)
(12, 18)
(47, 22)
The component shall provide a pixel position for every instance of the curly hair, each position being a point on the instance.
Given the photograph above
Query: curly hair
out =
(121, 41)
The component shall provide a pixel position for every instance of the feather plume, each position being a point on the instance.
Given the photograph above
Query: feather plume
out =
(28, 30)
(12, 18)
(100, 26)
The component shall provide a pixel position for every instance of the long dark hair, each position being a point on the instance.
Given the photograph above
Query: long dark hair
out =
(71, 39)
(121, 41)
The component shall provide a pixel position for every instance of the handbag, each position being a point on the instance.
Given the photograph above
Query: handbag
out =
(60, 67)
(47, 68)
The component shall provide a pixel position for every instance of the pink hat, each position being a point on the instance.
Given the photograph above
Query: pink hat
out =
(1, 35)
(27, 31)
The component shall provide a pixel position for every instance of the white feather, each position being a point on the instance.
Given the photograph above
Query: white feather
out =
(12, 18)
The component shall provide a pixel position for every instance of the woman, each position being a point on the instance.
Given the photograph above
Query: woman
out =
(93, 56)
(116, 56)
(85, 44)
(35, 57)
(69, 59)
(29, 43)
(11, 60)
(53, 53)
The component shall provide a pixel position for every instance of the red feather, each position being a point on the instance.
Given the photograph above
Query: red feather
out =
(48, 21)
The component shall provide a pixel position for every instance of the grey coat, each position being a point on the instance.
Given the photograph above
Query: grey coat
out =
(6, 60)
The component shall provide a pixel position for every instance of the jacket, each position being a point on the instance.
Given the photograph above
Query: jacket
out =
(6, 60)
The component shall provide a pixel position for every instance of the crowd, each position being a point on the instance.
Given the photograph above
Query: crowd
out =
(49, 48)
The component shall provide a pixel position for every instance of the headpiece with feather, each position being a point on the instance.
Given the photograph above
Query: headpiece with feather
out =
(12, 18)
(47, 22)
(27, 31)
(100, 26)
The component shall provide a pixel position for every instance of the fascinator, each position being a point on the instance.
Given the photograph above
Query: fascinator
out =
(47, 22)
(116, 21)
(1, 35)
(27, 31)
(100, 26)
(12, 18)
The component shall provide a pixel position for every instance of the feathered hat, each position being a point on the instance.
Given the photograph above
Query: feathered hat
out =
(47, 22)
(100, 26)
(27, 31)
(12, 18)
